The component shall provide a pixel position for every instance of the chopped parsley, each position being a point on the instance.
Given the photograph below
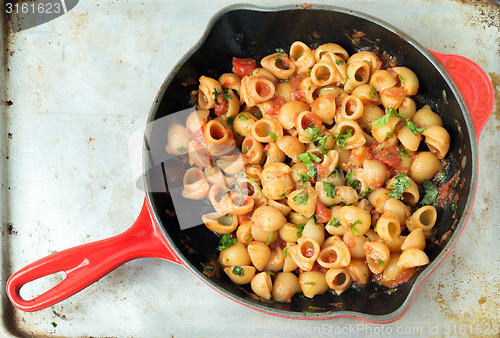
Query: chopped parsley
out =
(444, 94)
(207, 267)
(248, 237)
(383, 120)
(335, 222)
(226, 95)
(401, 79)
(230, 120)
(313, 132)
(301, 198)
(322, 143)
(329, 189)
(238, 270)
(353, 228)
(309, 244)
(243, 117)
(351, 181)
(309, 283)
(258, 114)
(215, 94)
(282, 195)
(226, 242)
(453, 207)
(308, 157)
(273, 136)
(401, 182)
(365, 193)
(431, 193)
(306, 313)
(278, 59)
(373, 93)
(413, 127)
(280, 50)
(404, 152)
(54, 324)
(270, 238)
(181, 149)
(270, 272)
(285, 253)
(343, 136)
(381, 262)
(300, 228)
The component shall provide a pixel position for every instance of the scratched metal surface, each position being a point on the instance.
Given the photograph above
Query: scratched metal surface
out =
(82, 85)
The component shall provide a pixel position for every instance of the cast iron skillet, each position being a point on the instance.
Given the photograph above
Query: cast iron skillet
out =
(250, 31)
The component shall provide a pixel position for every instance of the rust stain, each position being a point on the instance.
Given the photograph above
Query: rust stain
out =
(80, 21)
(486, 12)
(495, 80)
(91, 140)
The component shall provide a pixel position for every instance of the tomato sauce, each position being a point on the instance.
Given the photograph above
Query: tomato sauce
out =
(221, 108)
(243, 67)
(391, 158)
(322, 212)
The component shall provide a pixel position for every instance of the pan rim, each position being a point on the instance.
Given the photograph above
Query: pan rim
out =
(428, 270)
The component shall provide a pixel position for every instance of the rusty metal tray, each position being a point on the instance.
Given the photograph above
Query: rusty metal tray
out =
(76, 93)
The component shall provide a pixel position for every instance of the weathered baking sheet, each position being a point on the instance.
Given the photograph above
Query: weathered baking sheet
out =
(78, 87)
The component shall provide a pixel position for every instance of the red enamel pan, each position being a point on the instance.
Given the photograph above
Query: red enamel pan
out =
(455, 87)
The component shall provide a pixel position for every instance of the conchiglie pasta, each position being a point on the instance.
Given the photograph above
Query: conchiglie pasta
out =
(313, 162)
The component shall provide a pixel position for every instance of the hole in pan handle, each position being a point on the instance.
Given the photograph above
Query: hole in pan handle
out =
(473, 84)
(86, 263)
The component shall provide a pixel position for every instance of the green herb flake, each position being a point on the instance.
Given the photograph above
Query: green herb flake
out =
(307, 313)
(413, 127)
(270, 272)
(329, 189)
(258, 115)
(339, 62)
(230, 120)
(381, 121)
(54, 324)
(238, 270)
(315, 307)
(343, 136)
(309, 244)
(351, 181)
(335, 222)
(401, 182)
(381, 262)
(431, 193)
(373, 93)
(243, 117)
(300, 229)
(278, 59)
(309, 283)
(282, 195)
(285, 253)
(453, 207)
(215, 94)
(308, 157)
(208, 268)
(280, 50)
(444, 94)
(273, 136)
(353, 228)
(313, 132)
(227, 95)
(270, 238)
(401, 79)
(181, 149)
(301, 198)
(226, 241)
(404, 152)
(248, 237)
(365, 193)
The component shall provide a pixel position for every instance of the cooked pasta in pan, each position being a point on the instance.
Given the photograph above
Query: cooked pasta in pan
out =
(318, 165)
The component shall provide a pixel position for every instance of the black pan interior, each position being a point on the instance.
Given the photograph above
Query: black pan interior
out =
(256, 33)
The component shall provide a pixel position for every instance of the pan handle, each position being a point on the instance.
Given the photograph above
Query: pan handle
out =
(85, 264)
(473, 84)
